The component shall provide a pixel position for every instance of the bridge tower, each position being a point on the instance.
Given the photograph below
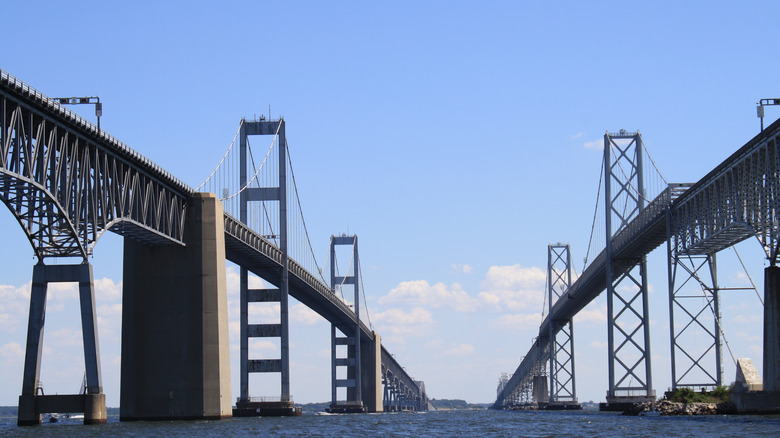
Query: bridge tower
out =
(694, 314)
(628, 331)
(350, 339)
(562, 383)
(283, 404)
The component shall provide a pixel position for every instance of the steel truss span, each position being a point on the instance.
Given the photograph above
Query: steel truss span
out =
(67, 183)
(738, 199)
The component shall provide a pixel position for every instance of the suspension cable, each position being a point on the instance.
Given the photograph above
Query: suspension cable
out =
(748, 274)
(658, 171)
(261, 165)
(595, 213)
(223, 157)
(300, 209)
(263, 206)
(628, 182)
(344, 278)
(363, 288)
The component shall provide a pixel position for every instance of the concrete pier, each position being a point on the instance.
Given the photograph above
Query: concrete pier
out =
(747, 395)
(93, 402)
(371, 356)
(175, 357)
(772, 329)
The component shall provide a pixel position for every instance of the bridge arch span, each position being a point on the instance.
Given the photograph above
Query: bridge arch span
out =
(67, 182)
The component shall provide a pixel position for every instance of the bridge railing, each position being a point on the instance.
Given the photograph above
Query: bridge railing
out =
(649, 216)
(250, 237)
(631, 241)
(647, 229)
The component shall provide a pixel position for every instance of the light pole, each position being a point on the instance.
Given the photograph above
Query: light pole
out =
(95, 100)
(760, 108)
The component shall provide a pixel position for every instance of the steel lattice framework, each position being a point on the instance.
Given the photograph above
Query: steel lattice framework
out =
(694, 317)
(562, 382)
(627, 307)
(737, 200)
(67, 183)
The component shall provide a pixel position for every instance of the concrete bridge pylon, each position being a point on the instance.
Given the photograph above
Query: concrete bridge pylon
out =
(175, 354)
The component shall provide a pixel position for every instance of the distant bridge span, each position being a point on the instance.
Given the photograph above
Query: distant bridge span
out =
(738, 199)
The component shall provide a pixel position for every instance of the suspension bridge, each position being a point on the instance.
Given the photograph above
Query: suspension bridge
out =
(67, 182)
(737, 200)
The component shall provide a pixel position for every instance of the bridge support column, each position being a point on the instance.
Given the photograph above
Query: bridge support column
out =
(356, 358)
(372, 374)
(772, 330)
(92, 402)
(175, 357)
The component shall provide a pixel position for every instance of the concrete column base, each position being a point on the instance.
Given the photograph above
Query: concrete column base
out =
(757, 402)
(93, 406)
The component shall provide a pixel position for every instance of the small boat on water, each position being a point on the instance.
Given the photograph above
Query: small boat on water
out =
(650, 413)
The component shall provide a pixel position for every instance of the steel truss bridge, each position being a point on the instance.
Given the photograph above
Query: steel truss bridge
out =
(67, 182)
(737, 200)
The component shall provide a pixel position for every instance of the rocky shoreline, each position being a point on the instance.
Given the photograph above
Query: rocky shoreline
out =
(666, 407)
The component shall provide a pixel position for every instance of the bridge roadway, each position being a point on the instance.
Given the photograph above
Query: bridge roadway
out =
(733, 202)
(640, 236)
(26, 112)
(247, 248)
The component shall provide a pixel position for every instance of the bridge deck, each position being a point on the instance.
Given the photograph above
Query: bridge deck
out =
(755, 189)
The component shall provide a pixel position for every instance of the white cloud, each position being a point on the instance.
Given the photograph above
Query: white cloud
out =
(750, 337)
(12, 350)
(461, 350)
(436, 344)
(300, 313)
(257, 345)
(576, 136)
(598, 316)
(107, 290)
(595, 145)
(63, 291)
(462, 269)
(513, 287)
(415, 316)
(14, 306)
(598, 345)
(108, 310)
(521, 321)
(263, 313)
(399, 323)
(421, 293)
(745, 319)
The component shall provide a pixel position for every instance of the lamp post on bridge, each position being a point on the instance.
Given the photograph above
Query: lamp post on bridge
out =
(760, 108)
(91, 100)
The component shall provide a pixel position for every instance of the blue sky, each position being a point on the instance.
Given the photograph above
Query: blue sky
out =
(455, 138)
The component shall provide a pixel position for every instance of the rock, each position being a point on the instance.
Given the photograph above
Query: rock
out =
(666, 407)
